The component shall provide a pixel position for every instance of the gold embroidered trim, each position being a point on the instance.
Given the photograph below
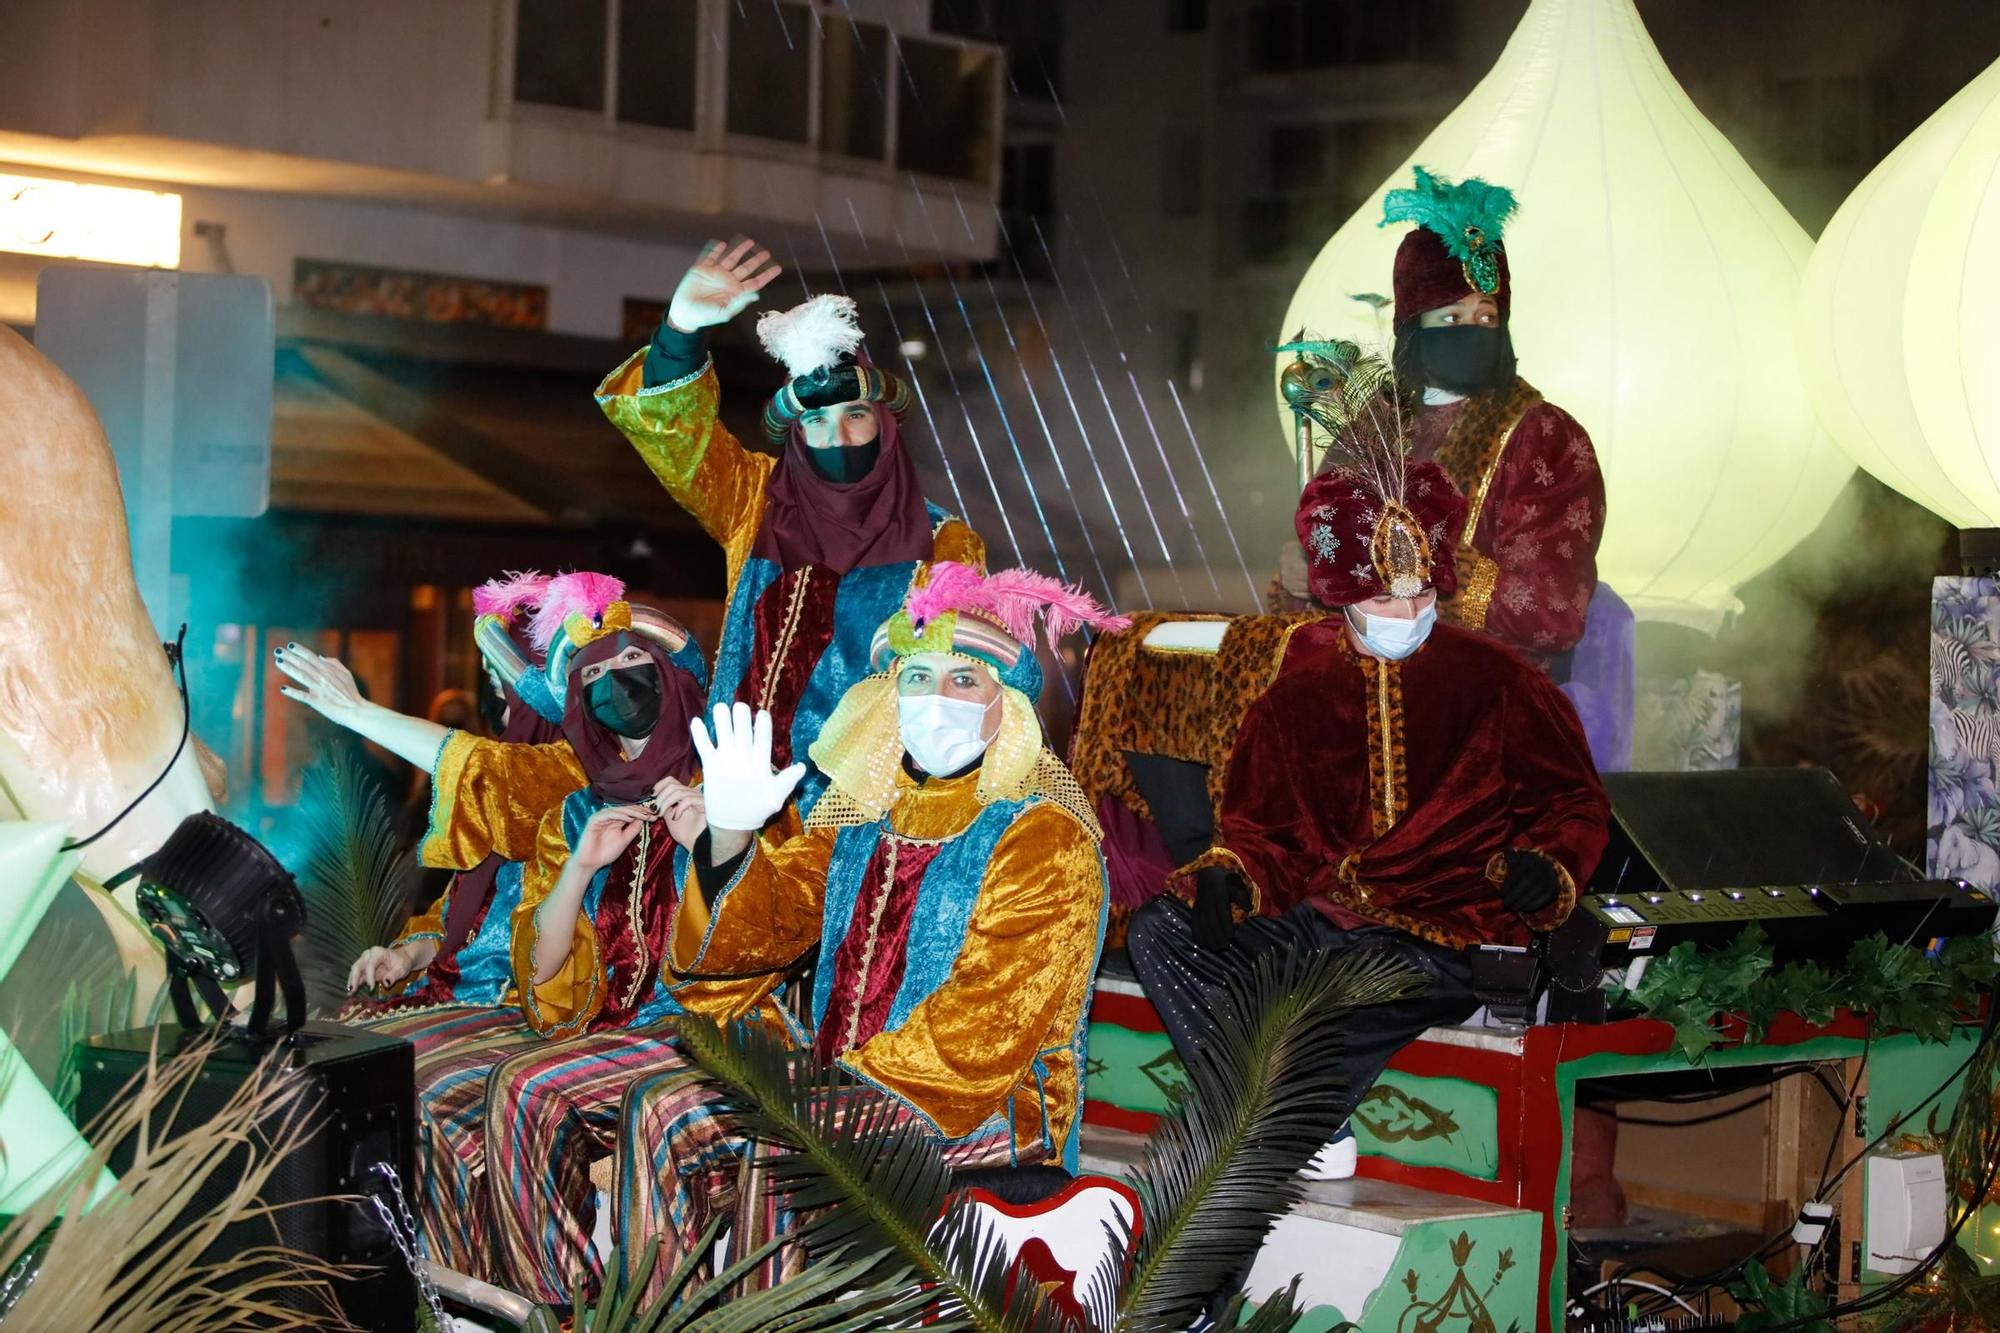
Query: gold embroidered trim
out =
(635, 919)
(868, 949)
(1389, 799)
(1475, 588)
(1472, 448)
(788, 630)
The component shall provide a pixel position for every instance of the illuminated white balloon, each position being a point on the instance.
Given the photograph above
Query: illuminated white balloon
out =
(1655, 283)
(1895, 322)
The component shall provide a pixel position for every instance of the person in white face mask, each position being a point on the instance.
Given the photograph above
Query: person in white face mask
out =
(949, 879)
(1401, 785)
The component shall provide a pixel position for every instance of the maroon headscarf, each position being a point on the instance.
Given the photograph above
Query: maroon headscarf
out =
(669, 750)
(1427, 277)
(878, 520)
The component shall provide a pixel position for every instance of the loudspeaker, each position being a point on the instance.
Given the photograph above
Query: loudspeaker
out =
(360, 1088)
(1737, 828)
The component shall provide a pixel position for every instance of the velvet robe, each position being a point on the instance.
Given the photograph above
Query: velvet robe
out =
(1386, 791)
(793, 640)
(957, 943)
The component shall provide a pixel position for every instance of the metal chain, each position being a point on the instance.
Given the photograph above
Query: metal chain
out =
(409, 1243)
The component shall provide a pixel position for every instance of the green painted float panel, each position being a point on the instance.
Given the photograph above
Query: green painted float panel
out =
(1136, 1071)
(1475, 1273)
(1441, 1122)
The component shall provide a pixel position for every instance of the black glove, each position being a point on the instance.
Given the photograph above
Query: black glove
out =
(1217, 891)
(1531, 884)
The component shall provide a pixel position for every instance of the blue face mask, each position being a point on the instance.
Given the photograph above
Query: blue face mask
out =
(1389, 636)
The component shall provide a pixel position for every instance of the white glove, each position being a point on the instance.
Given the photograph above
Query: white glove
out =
(737, 783)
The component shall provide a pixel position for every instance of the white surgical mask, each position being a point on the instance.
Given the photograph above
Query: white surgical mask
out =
(943, 735)
(1391, 636)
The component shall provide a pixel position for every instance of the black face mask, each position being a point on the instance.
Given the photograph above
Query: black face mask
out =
(844, 463)
(626, 700)
(1461, 359)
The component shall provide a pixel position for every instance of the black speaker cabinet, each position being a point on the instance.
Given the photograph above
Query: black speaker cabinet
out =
(363, 1088)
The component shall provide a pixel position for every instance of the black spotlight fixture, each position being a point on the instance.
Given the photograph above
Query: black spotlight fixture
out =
(224, 908)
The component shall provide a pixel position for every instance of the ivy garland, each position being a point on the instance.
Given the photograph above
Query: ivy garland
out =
(1903, 988)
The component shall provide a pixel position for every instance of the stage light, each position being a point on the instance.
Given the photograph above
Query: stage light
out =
(222, 906)
(1655, 282)
(1892, 327)
(109, 224)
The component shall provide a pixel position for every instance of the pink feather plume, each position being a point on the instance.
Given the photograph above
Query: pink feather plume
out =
(510, 595)
(1013, 598)
(578, 592)
(951, 588)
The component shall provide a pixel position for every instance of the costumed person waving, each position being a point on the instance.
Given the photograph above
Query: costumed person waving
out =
(488, 797)
(1451, 799)
(1526, 562)
(950, 878)
(625, 680)
(822, 542)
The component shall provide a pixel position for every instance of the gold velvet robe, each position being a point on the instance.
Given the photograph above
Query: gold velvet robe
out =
(1001, 1035)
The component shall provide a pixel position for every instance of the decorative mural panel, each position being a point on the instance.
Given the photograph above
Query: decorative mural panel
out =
(1134, 1071)
(1442, 1122)
(1964, 808)
(428, 298)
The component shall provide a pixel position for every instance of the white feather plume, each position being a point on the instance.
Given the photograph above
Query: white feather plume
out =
(812, 336)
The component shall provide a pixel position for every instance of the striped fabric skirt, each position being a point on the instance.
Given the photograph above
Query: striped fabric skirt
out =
(680, 1160)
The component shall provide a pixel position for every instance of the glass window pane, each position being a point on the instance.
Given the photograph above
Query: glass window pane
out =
(854, 97)
(657, 41)
(769, 49)
(945, 120)
(559, 53)
(1185, 173)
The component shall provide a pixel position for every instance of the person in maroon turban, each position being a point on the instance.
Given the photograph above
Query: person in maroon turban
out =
(1403, 785)
(1527, 559)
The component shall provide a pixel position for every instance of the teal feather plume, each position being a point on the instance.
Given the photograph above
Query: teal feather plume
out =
(1469, 217)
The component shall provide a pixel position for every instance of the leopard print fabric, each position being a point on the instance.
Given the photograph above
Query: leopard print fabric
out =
(1186, 705)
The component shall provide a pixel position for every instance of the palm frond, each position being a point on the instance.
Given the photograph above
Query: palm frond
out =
(866, 1184)
(133, 1261)
(357, 889)
(1222, 1168)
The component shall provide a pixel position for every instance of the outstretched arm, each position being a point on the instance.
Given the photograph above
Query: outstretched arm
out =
(326, 686)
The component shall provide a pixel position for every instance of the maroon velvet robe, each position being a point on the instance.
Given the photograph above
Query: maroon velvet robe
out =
(1540, 521)
(1385, 791)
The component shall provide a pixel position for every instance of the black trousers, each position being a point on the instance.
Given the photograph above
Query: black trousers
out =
(1180, 979)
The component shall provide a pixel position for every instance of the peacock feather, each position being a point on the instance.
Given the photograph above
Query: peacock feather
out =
(1468, 217)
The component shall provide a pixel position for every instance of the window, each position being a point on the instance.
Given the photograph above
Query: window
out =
(1185, 173)
(854, 89)
(1295, 157)
(769, 69)
(1028, 202)
(1029, 30)
(559, 52)
(1186, 330)
(1317, 174)
(945, 113)
(1187, 15)
(1289, 35)
(560, 57)
(658, 41)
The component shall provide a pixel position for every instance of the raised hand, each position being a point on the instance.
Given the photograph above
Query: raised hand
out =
(723, 283)
(322, 684)
(738, 787)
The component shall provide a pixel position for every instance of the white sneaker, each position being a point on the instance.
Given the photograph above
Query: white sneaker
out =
(1336, 1161)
